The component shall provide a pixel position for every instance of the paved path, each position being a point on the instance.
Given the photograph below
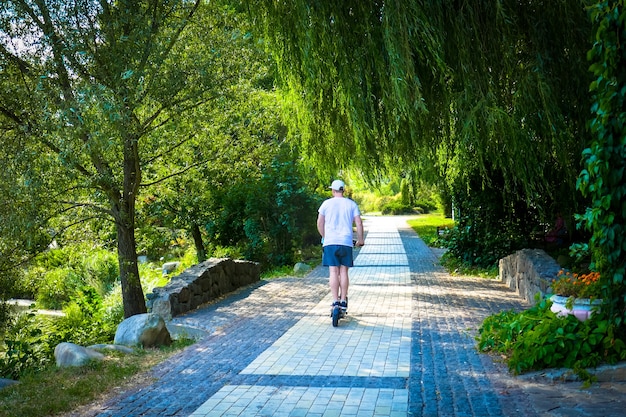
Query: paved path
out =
(407, 348)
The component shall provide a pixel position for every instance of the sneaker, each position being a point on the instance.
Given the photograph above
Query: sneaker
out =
(344, 305)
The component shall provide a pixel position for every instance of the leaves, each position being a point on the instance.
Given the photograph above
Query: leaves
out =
(603, 177)
(537, 339)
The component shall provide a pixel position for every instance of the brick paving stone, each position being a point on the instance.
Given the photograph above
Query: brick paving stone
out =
(407, 348)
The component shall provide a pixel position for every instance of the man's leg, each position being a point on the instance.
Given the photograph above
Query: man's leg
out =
(334, 281)
(343, 282)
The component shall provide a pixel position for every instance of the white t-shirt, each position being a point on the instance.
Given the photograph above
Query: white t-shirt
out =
(339, 214)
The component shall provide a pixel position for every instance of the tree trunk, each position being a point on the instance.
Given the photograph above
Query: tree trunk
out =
(124, 209)
(197, 239)
(132, 292)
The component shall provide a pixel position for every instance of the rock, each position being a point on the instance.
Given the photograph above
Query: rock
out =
(69, 354)
(147, 330)
(200, 284)
(161, 306)
(301, 268)
(7, 382)
(170, 267)
(528, 272)
(118, 348)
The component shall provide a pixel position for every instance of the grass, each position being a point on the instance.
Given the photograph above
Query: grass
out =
(311, 256)
(425, 225)
(55, 391)
(456, 267)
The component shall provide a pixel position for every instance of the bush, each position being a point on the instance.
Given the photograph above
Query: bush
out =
(101, 270)
(426, 206)
(24, 348)
(84, 321)
(57, 288)
(537, 339)
(30, 340)
(156, 242)
(396, 207)
(483, 249)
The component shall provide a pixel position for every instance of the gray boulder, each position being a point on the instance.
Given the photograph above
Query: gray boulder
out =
(147, 330)
(169, 267)
(69, 354)
(108, 347)
(301, 268)
(4, 382)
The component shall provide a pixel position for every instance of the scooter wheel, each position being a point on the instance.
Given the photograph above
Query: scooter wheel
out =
(336, 316)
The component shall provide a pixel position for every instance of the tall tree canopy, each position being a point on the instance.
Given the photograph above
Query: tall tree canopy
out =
(488, 84)
(95, 97)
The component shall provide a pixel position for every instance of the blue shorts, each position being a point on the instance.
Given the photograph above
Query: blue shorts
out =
(336, 255)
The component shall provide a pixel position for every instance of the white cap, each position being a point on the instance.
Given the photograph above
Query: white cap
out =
(337, 185)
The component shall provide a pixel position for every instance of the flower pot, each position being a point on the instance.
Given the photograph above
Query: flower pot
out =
(582, 308)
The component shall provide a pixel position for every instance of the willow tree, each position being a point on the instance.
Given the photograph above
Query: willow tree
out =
(98, 96)
(496, 81)
(487, 89)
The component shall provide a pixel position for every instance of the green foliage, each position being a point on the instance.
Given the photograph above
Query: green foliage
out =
(370, 202)
(155, 242)
(29, 343)
(58, 391)
(393, 197)
(25, 348)
(269, 218)
(56, 287)
(432, 84)
(491, 224)
(55, 275)
(396, 206)
(492, 110)
(604, 176)
(92, 124)
(457, 266)
(537, 338)
(405, 195)
(426, 205)
(426, 227)
(84, 321)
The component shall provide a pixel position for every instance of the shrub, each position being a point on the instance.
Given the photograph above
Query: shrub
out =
(24, 348)
(101, 270)
(396, 207)
(84, 321)
(156, 242)
(426, 205)
(57, 288)
(30, 340)
(537, 339)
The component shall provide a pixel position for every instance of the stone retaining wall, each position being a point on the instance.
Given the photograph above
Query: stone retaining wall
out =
(200, 284)
(528, 271)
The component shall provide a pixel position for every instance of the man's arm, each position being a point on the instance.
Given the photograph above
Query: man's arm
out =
(359, 231)
(320, 224)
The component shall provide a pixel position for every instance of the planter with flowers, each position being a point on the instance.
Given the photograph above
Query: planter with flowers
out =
(576, 294)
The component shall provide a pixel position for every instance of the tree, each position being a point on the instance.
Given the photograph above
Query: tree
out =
(490, 82)
(245, 133)
(99, 95)
(454, 89)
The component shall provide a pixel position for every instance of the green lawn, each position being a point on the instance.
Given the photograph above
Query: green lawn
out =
(425, 225)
